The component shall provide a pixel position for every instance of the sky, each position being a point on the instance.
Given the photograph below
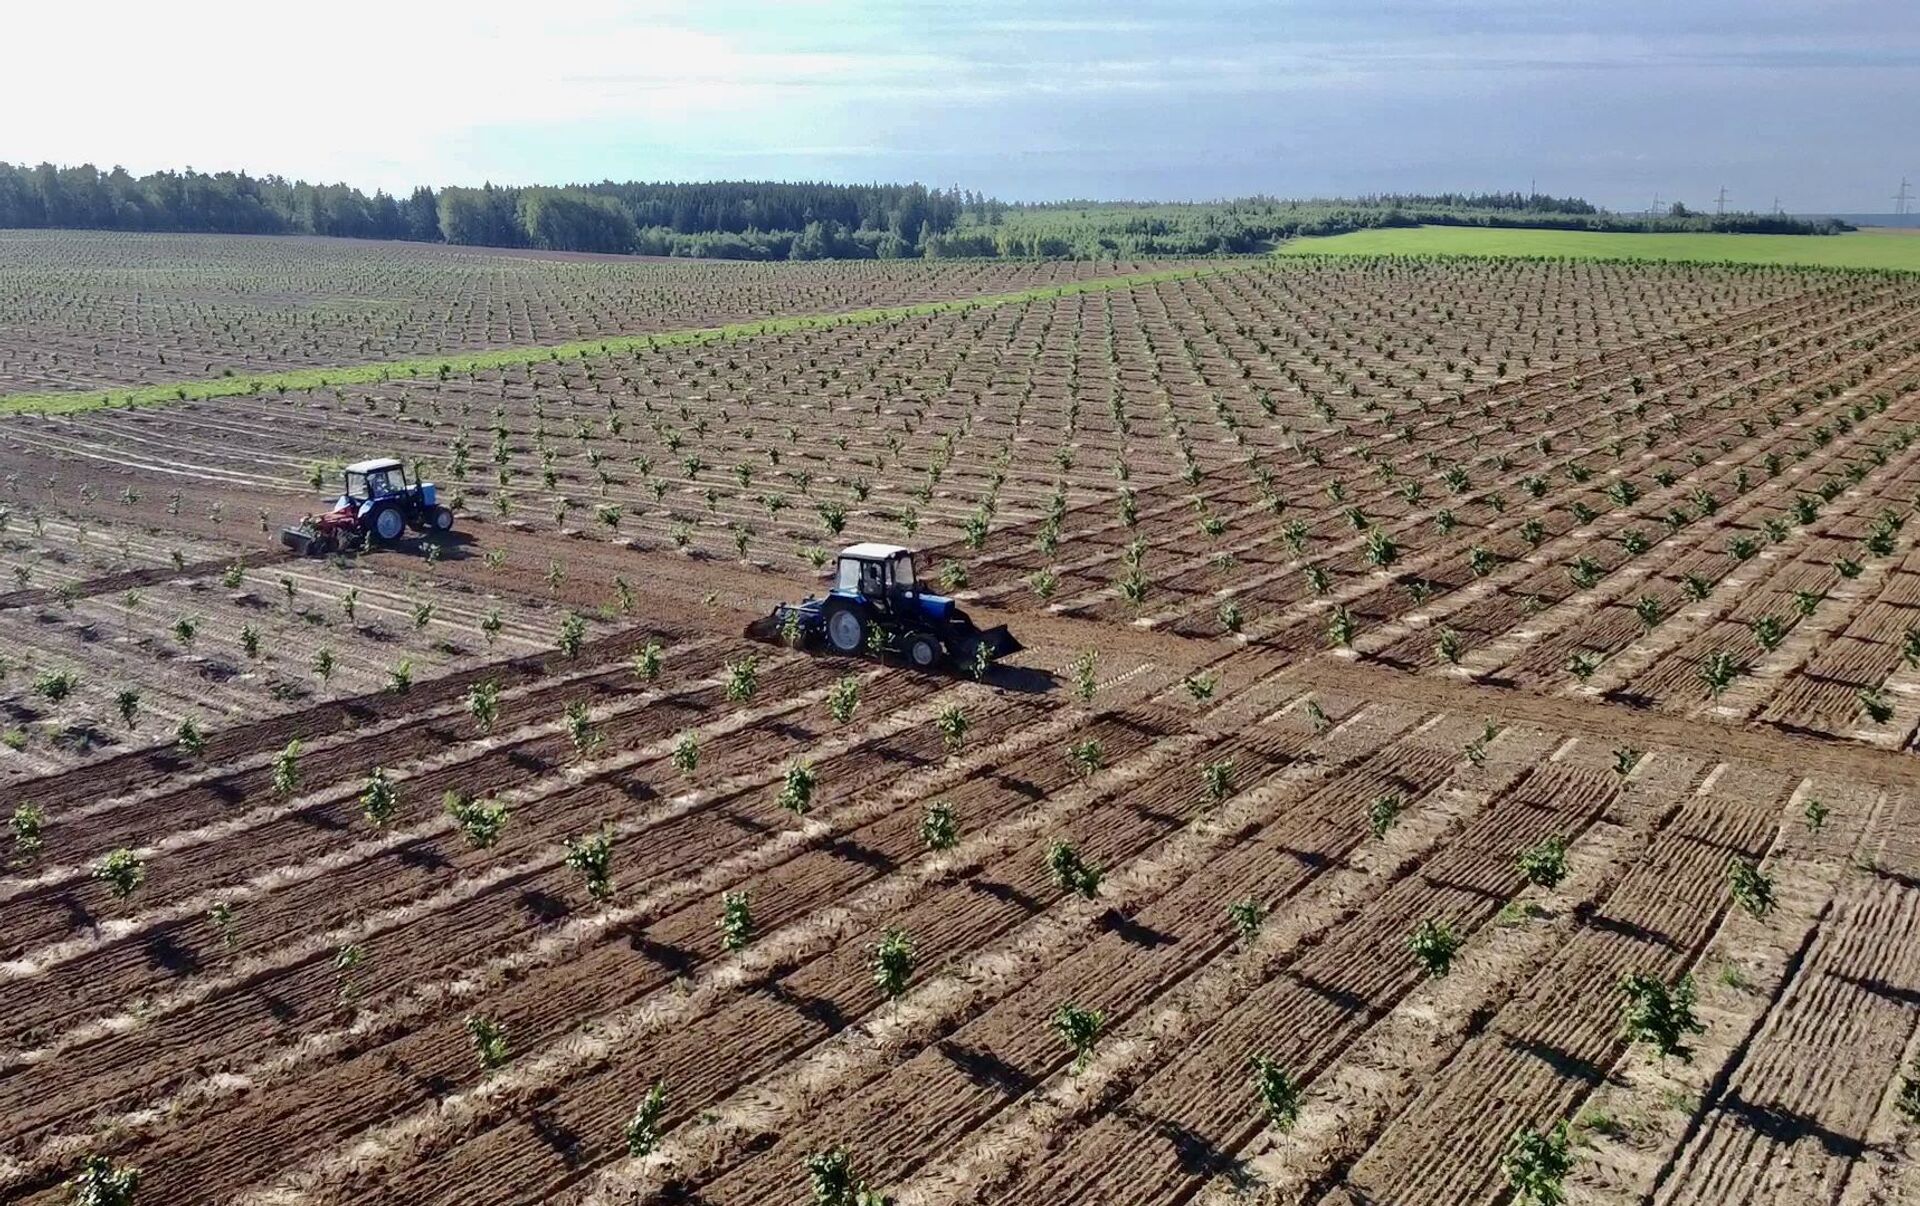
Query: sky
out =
(1814, 103)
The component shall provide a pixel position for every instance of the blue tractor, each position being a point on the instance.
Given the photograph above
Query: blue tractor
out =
(375, 500)
(876, 602)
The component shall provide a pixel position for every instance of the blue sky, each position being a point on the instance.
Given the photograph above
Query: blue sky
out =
(1814, 103)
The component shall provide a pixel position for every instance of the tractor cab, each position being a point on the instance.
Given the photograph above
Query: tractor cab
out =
(881, 574)
(368, 480)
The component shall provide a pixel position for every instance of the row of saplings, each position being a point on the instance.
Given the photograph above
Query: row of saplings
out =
(1536, 1163)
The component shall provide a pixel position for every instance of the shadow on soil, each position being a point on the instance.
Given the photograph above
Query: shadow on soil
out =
(817, 1009)
(543, 907)
(1909, 882)
(562, 1140)
(1008, 894)
(1564, 1063)
(856, 852)
(1627, 929)
(166, 953)
(1022, 680)
(1910, 998)
(672, 958)
(1197, 1155)
(1786, 1126)
(986, 1069)
(1132, 932)
(1345, 998)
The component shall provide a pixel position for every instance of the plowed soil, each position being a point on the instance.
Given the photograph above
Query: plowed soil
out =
(1341, 586)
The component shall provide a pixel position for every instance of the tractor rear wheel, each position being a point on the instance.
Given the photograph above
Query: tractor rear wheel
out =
(923, 652)
(388, 523)
(846, 627)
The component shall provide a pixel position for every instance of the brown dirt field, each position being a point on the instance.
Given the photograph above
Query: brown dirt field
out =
(1363, 580)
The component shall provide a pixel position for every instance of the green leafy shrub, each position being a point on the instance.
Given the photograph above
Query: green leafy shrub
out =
(1659, 1016)
(1536, 1165)
(1434, 944)
(1279, 1093)
(1080, 1029)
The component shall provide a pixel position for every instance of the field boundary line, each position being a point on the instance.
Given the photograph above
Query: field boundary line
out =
(66, 403)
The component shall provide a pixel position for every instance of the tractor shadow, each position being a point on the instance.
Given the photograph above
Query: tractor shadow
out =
(454, 546)
(1021, 680)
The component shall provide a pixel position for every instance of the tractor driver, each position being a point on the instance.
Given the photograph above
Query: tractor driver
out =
(872, 581)
(377, 484)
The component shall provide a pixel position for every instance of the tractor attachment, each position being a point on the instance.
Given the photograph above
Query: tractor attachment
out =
(318, 536)
(767, 628)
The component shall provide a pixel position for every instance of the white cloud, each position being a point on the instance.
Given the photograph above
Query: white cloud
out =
(324, 91)
(1049, 97)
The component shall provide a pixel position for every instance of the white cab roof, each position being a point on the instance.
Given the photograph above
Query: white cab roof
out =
(869, 551)
(373, 466)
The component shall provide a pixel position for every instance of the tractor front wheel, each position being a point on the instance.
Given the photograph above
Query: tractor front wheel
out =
(846, 628)
(440, 519)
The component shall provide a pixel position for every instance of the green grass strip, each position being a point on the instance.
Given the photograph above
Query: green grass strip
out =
(1864, 250)
(67, 403)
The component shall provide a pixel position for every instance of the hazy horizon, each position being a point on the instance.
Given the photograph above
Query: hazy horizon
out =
(1133, 100)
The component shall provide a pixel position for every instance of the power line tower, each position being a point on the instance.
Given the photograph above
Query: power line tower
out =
(1902, 198)
(1776, 207)
(1720, 202)
(1653, 211)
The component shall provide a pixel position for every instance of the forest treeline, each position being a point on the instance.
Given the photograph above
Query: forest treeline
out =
(763, 220)
(1099, 229)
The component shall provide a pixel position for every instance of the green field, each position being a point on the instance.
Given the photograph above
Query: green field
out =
(1861, 249)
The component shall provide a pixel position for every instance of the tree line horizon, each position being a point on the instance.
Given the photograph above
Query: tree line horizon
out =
(773, 220)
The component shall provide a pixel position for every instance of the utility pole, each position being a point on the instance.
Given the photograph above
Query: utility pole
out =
(1720, 202)
(1901, 198)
